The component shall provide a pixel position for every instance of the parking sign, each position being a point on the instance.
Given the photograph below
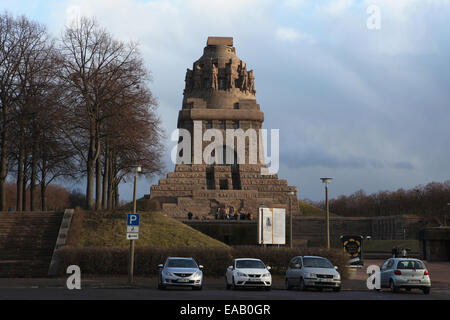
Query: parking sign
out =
(133, 219)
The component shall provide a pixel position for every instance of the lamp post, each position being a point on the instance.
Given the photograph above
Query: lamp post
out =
(260, 224)
(137, 169)
(290, 194)
(326, 181)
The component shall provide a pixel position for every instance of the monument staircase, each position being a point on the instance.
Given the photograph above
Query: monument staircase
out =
(27, 241)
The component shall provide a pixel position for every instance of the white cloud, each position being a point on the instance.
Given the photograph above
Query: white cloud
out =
(287, 34)
(336, 7)
(295, 4)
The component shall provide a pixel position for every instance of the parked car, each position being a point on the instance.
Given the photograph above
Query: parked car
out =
(180, 272)
(311, 271)
(408, 273)
(248, 272)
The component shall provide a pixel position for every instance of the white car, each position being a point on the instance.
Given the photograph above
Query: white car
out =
(248, 272)
(405, 273)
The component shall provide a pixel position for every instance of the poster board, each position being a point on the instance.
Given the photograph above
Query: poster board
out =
(271, 225)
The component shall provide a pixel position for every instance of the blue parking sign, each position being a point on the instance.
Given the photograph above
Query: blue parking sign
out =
(133, 219)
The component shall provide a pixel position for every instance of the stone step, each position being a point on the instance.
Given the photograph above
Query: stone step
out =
(24, 268)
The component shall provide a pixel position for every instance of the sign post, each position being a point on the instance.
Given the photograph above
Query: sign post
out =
(132, 234)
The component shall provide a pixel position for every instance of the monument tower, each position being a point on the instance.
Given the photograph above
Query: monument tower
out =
(220, 94)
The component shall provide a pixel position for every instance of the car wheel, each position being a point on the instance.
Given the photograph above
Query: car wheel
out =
(426, 290)
(394, 289)
(161, 287)
(197, 288)
(301, 284)
(337, 289)
(268, 288)
(287, 285)
(227, 286)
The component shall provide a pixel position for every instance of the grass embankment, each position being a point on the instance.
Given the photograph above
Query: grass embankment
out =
(312, 211)
(108, 229)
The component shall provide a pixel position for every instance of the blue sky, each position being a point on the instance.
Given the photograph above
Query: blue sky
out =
(369, 108)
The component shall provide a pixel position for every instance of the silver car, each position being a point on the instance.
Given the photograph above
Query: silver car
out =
(180, 272)
(310, 271)
(408, 273)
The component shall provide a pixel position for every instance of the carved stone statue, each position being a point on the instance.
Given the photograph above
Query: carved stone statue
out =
(244, 79)
(251, 82)
(230, 75)
(197, 77)
(214, 77)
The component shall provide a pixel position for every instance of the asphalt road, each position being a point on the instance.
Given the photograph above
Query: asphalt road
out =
(215, 290)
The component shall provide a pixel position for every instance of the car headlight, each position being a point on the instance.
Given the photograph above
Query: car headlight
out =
(240, 274)
(197, 274)
(310, 275)
(266, 275)
(169, 274)
(337, 276)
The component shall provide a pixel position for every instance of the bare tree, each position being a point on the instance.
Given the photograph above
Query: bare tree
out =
(94, 64)
(10, 38)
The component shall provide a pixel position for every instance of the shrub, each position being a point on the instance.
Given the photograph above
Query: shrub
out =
(114, 261)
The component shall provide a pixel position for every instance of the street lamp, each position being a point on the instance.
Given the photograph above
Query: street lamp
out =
(290, 194)
(137, 170)
(326, 181)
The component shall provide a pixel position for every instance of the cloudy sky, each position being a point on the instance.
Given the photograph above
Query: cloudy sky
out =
(368, 107)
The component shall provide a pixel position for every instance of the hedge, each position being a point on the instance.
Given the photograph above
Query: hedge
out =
(114, 261)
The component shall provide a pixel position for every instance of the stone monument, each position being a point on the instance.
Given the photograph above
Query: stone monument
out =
(220, 94)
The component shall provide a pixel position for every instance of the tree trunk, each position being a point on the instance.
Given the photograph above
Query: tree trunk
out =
(105, 180)
(116, 195)
(24, 186)
(3, 168)
(93, 154)
(19, 184)
(33, 176)
(43, 196)
(110, 184)
(43, 185)
(98, 185)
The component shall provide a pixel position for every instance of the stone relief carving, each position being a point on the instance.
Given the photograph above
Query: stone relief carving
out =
(214, 77)
(209, 77)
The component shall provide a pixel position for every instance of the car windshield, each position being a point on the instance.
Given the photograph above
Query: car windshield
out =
(249, 264)
(410, 264)
(316, 263)
(181, 263)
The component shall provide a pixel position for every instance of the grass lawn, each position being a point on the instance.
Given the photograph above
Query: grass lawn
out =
(311, 211)
(156, 230)
(386, 245)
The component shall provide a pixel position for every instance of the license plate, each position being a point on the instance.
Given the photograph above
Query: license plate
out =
(414, 281)
(183, 280)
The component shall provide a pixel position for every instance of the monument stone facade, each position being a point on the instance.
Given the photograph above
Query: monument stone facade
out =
(220, 94)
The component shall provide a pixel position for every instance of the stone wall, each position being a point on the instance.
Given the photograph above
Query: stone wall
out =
(312, 229)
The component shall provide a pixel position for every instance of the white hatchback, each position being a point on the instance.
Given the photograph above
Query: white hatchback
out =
(248, 272)
(405, 273)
